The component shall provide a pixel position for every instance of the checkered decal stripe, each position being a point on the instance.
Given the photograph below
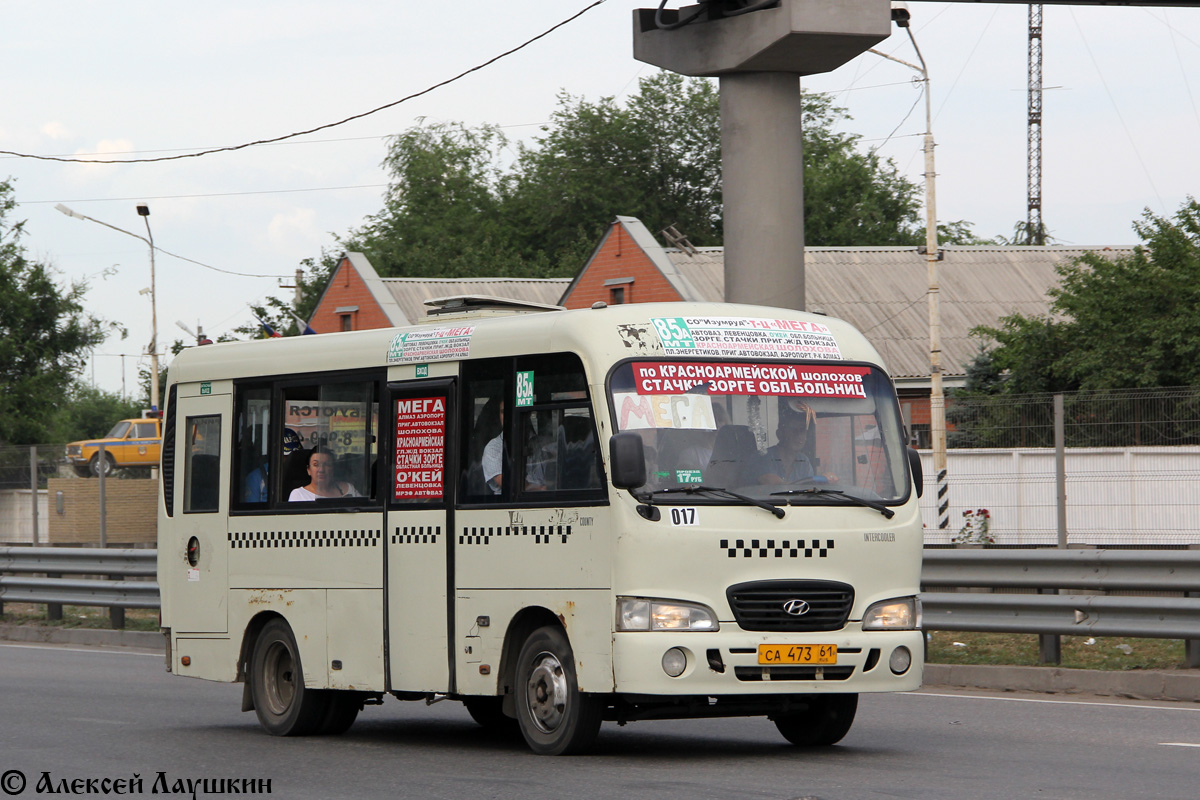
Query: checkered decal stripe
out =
(255, 540)
(421, 535)
(769, 548)
(541, 533)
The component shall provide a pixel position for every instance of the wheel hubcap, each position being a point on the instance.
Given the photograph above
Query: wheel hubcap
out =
(280, 678)
(546, 692)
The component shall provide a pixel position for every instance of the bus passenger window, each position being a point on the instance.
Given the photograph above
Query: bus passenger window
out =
(202, 464)
(333, 425)
(253, 456)
(556, 433)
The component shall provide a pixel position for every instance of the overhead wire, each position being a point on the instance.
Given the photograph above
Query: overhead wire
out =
(1117, 109)
(326, 126)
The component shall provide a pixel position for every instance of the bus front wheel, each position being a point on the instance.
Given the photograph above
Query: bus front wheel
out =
(284, 707)
(827, 720)
(555, 717)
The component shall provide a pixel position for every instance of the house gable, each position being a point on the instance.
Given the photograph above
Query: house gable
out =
(627, 266)
(353, 297)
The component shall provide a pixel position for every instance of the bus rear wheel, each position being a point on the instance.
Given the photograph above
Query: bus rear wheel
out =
(284, 707)
(827, 720)
(555, 717)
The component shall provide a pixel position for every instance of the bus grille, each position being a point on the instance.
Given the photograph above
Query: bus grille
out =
(760, 606)
(793, 673)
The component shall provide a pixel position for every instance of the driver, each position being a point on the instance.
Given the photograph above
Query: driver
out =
(786, 462)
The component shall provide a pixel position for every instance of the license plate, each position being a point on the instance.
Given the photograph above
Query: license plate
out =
(769, 654)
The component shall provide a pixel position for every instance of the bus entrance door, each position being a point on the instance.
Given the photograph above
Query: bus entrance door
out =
(419, 546)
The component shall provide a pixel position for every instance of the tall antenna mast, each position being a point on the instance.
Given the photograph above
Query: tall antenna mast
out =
(1035, 232)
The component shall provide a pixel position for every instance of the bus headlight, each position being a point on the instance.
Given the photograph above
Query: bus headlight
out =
(901, 614)
(644, 614)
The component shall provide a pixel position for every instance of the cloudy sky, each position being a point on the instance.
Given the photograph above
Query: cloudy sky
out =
(141, 79)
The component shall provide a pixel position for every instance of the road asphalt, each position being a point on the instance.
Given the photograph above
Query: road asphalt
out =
(1176, 685)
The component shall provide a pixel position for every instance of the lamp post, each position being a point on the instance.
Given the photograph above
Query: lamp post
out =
(143, 211)
(937, 397)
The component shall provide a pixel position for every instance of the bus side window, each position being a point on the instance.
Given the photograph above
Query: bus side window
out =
(482, 415)
(557, 444)
(337, 422)
(251, 454)
(202, 464)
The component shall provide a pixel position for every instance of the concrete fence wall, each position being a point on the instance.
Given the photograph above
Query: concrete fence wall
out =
(131, 518)
(16, 516)
(1128, 496)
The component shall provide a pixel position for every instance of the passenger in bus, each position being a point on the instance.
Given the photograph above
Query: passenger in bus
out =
(322, 483)
(255, 488)
(493, 459)
(786, 461)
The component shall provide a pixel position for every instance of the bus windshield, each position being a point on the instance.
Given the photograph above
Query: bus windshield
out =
(771, 430)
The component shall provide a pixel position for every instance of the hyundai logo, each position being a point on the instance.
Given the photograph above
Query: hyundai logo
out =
(797, 608)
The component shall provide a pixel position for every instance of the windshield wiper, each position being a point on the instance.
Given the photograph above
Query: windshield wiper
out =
(818, 490)
(648, 497)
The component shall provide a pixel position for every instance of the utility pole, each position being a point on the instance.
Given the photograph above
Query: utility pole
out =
(1035, 231)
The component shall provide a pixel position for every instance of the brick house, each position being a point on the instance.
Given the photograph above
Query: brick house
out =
(880, 290)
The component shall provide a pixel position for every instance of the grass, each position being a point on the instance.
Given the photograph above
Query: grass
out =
(136, 619)
(1078, 652)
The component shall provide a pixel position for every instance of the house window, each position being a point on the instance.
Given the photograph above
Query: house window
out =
(347, 322)
(620, 290)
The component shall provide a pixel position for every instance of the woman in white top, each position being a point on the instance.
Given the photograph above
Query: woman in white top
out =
(321, 483)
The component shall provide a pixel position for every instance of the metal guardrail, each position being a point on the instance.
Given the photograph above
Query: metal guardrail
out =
(112, 592)
(1089, 609)
(1089, 574)
(79, 561)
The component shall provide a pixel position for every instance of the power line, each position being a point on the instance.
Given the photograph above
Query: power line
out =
(213, 194)
(326, 126)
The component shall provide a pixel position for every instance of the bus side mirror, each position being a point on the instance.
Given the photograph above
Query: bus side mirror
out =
(627, 460)
(914, 463)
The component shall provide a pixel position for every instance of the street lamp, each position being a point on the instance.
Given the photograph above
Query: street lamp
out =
(143, 211)
(937, 398)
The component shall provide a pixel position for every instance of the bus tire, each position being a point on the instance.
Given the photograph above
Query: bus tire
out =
(827, 720)
(555, 717)
(341, 709)
(488, 712)
(284, 707)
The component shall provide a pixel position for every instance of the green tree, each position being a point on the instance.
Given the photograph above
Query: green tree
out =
(44, 336)
(454, 209)
(441, 214)
(88, 412)
(1115, 323)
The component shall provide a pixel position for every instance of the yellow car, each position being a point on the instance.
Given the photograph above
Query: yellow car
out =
(131, 443)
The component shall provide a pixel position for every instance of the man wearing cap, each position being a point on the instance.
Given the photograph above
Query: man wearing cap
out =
(254, 490)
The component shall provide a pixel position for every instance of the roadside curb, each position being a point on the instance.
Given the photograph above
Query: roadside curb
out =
(1180, 685)
(143, 640)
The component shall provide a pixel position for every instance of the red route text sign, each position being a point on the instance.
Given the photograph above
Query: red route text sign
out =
(680, 377)
(420, 448)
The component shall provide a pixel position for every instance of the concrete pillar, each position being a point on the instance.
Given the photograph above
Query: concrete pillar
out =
(762, 159)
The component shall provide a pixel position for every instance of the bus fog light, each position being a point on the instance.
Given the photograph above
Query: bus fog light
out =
(901, 660)
(674, 662)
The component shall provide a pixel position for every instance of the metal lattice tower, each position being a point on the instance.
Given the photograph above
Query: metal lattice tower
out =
(1035, 233)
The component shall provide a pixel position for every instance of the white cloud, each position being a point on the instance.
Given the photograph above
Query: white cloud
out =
(118, 148)
(295, 232)
(56, 130)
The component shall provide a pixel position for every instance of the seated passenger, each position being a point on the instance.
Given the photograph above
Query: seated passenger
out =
(321, 482)
(786, 462)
